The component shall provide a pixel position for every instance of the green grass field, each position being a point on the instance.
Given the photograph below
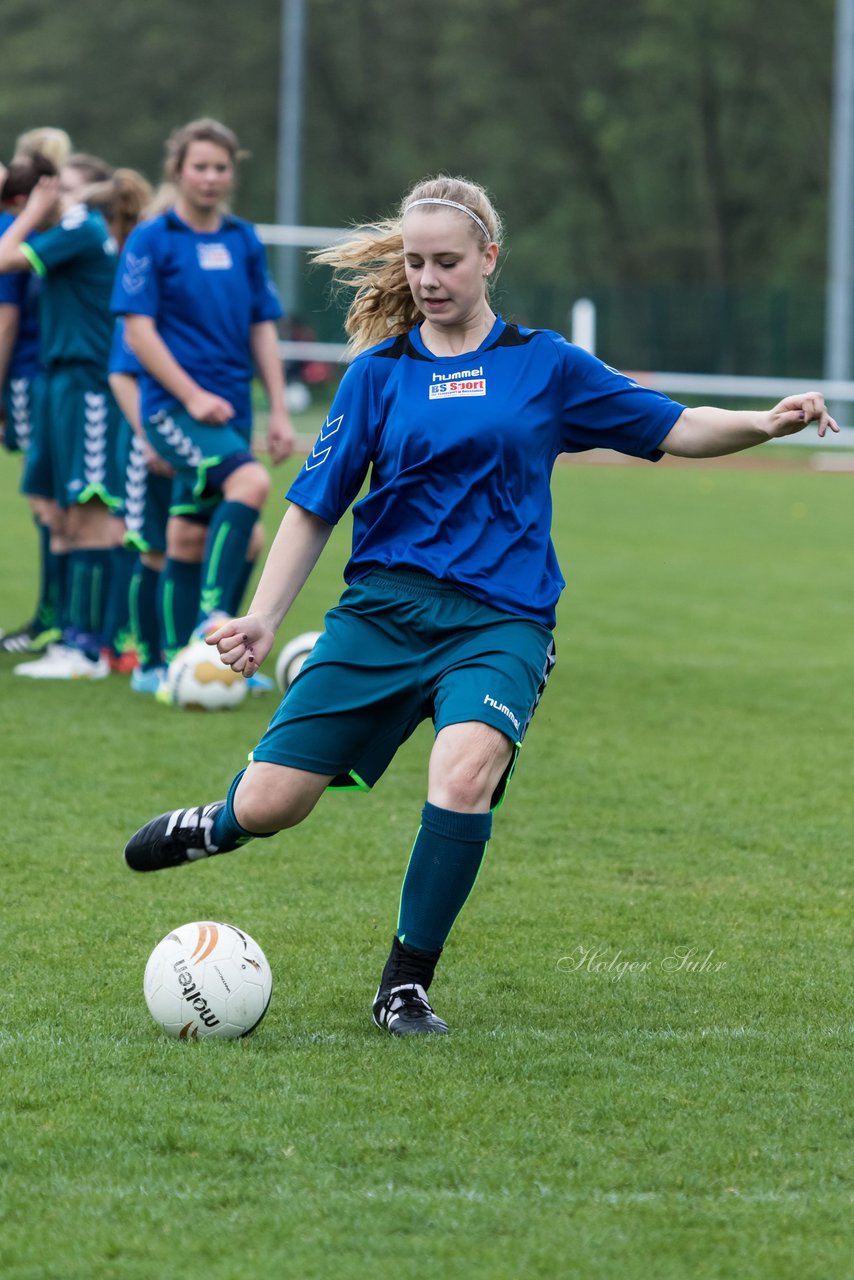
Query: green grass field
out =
(650, 1070)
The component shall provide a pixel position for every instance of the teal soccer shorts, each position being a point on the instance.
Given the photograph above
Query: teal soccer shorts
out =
(147, 499)
(83, 430)
(400, 648)
(22, 404)
(201, 453)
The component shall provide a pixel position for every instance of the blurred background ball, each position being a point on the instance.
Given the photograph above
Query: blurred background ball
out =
(199, 680)
(290, 660)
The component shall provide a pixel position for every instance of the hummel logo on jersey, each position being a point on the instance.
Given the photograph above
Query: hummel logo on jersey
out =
(214, 257)
(135, 275)
(466, 382)
(74, 217)
(318, 454)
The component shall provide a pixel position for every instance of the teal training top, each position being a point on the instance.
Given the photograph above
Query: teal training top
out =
(77, 259)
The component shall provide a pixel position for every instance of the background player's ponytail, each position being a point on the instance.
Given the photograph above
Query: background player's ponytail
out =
(371, 263)
(131, 199)
(121, 195)
(22, 175)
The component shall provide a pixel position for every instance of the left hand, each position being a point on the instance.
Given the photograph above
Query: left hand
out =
(281, 437)
(243, 643)
(796, 412)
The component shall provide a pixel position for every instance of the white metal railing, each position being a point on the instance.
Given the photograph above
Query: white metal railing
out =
(582, 319)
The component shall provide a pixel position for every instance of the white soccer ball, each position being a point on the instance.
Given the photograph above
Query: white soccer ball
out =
(198, 679)
(207, 979)
(290, 660)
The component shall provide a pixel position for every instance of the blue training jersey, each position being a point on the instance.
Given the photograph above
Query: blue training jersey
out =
(21, 289)
(204, 290)
(77, 260)
(461, 450)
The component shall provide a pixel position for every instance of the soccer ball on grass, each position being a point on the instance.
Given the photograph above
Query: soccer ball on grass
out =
(207, 979)
(199, 680)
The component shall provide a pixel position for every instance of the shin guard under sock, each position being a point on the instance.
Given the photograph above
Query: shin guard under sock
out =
(443, 867)
(225, 555)
(145, 618)
(89, 573)
(117, 623)
(178, 602)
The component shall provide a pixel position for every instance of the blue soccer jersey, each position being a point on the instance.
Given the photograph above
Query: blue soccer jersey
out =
(77, 259)
(460, 452)
(204, 290)
(21, 289)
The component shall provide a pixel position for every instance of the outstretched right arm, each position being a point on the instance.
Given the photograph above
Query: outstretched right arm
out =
(245, 642)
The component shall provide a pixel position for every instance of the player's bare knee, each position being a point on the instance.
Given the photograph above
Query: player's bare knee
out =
(462, 789)
(465, 767)
(249, 484)
(274, 798)
(185, 540)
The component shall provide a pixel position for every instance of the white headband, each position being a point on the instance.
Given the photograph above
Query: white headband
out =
(452, 204)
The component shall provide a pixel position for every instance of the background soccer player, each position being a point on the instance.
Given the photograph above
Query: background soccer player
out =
(453, 579)
(200, 311)
(77, 260)
(24, 421)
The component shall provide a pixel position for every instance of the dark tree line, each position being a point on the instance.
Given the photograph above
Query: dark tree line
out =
(636, 149)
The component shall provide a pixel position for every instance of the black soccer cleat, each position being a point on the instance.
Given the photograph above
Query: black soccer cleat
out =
(184, 835)
(406, 1011)
(30, 639)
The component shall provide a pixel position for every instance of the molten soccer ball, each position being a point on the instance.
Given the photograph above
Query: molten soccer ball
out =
(290, 660)
(200, 680)
(207, 979)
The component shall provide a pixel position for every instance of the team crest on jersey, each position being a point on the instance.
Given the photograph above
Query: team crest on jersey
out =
(214, 257)
(465, 382)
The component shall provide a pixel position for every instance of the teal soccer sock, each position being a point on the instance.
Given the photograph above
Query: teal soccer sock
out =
(51, 567)
(234, 600)
(178, 601)
(225, 555)
(117, 621)
(144, 615)
(443, 866)
(226, 831)
(89, 572)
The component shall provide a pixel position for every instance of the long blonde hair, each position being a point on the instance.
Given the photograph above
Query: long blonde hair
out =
(52, 143)
(370, 261)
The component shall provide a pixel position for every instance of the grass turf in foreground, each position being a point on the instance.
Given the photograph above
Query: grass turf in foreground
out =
(602, 1108)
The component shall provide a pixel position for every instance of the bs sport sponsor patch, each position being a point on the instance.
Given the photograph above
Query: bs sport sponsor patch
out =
(214, 257)
(465, 382)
